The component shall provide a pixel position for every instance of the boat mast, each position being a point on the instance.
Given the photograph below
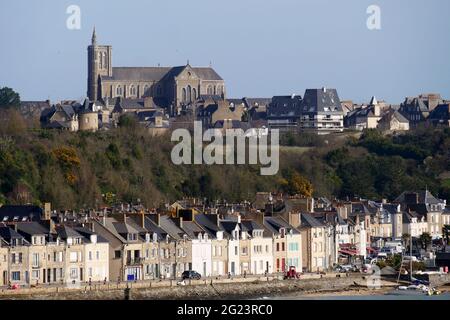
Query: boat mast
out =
(410, 258)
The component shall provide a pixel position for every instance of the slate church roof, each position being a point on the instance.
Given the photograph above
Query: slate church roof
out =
(158, 73)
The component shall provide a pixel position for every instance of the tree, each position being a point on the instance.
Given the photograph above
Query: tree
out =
(406, 239)
(297, 185)
(9, 98)
(425, 240)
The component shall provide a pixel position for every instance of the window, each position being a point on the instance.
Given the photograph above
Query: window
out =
(219, 251)
(97, 255)
(119, 91)
(282, 246)
(90, 255)
(189, 94)
(278, 247)
(73, 273)
(236, 251)
(183, 95)
(35, 260)
(132, 90)
(35, 274)
(73, 257)
(15, 275)
(194, 94)
(209, 90)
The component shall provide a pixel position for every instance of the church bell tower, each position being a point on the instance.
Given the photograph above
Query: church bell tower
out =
(99, 64)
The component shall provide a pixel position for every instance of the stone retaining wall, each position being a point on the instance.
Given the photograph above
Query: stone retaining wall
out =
(195, 289)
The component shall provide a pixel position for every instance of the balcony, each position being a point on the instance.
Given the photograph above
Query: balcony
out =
(134, 261)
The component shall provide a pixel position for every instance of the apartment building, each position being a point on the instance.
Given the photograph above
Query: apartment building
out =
(314, 243)
(261, 255)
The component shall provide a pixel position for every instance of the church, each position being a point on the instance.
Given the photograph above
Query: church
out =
(171, 88)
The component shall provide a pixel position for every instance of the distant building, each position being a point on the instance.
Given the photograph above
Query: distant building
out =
(417, 109)
(178, 86)
(365, 117)
(440, 116)
(393, 122)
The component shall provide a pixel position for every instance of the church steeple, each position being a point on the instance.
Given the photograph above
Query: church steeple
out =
(94, 37)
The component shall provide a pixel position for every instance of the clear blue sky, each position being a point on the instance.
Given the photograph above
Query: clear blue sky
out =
(260, 47)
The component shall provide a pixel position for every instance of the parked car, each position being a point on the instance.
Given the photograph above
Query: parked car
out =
(346, 268)
(191, 275)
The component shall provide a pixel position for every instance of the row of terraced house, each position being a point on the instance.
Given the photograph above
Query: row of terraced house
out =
(275, 232)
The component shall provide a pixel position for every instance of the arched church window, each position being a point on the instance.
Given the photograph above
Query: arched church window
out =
(132, 90)
(104, 60)
(183, 95)
(209, 90)
(146, 90)
(189, 94)
(215, 92)
(194, 94)
(119, 91)
(100, 60)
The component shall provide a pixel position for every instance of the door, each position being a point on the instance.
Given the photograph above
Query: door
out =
(204, 269)
(233, 267)
(5, 278)
(267, 266)
(283, 264)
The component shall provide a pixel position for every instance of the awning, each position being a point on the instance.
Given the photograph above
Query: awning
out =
(348, 252)
(371, 249)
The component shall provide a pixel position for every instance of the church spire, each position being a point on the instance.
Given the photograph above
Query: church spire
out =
(94, 37)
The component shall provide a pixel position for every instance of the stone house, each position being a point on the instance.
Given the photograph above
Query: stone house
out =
(232, 231)
(393, 122)
(4, 266)
(261, 246)
(314, 243)
(18, 260)
(219, 242)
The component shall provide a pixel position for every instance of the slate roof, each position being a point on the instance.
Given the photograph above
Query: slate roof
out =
(441, 112)
(11, 211)
(86, 233)
(285, 106)
(67, 232)
(8, 233)
(32, 228)
(307, 220)
(158, 73)
(275, 223)
(424, 197)
(321, 101)
(388, 116)
(205, 222)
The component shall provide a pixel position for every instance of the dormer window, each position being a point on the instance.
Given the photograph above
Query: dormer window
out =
(200, 236)
(155, 237)
(282, 232)
(205, 236)
(132, 237)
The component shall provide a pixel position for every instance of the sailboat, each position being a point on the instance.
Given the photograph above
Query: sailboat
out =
(416, 286)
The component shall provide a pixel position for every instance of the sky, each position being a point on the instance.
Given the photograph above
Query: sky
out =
(261, 48)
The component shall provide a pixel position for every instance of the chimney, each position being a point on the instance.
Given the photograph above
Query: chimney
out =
(158, 219)
(294, 219)
(124, 217)
(47, 211)
(180, 222)
(239, 218)
(260, 218)
(143, 219)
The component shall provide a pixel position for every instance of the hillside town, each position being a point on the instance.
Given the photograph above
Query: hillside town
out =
(164, 98)
(275, 233)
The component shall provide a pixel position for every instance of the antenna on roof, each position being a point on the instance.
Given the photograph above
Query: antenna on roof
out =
(210, 63)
